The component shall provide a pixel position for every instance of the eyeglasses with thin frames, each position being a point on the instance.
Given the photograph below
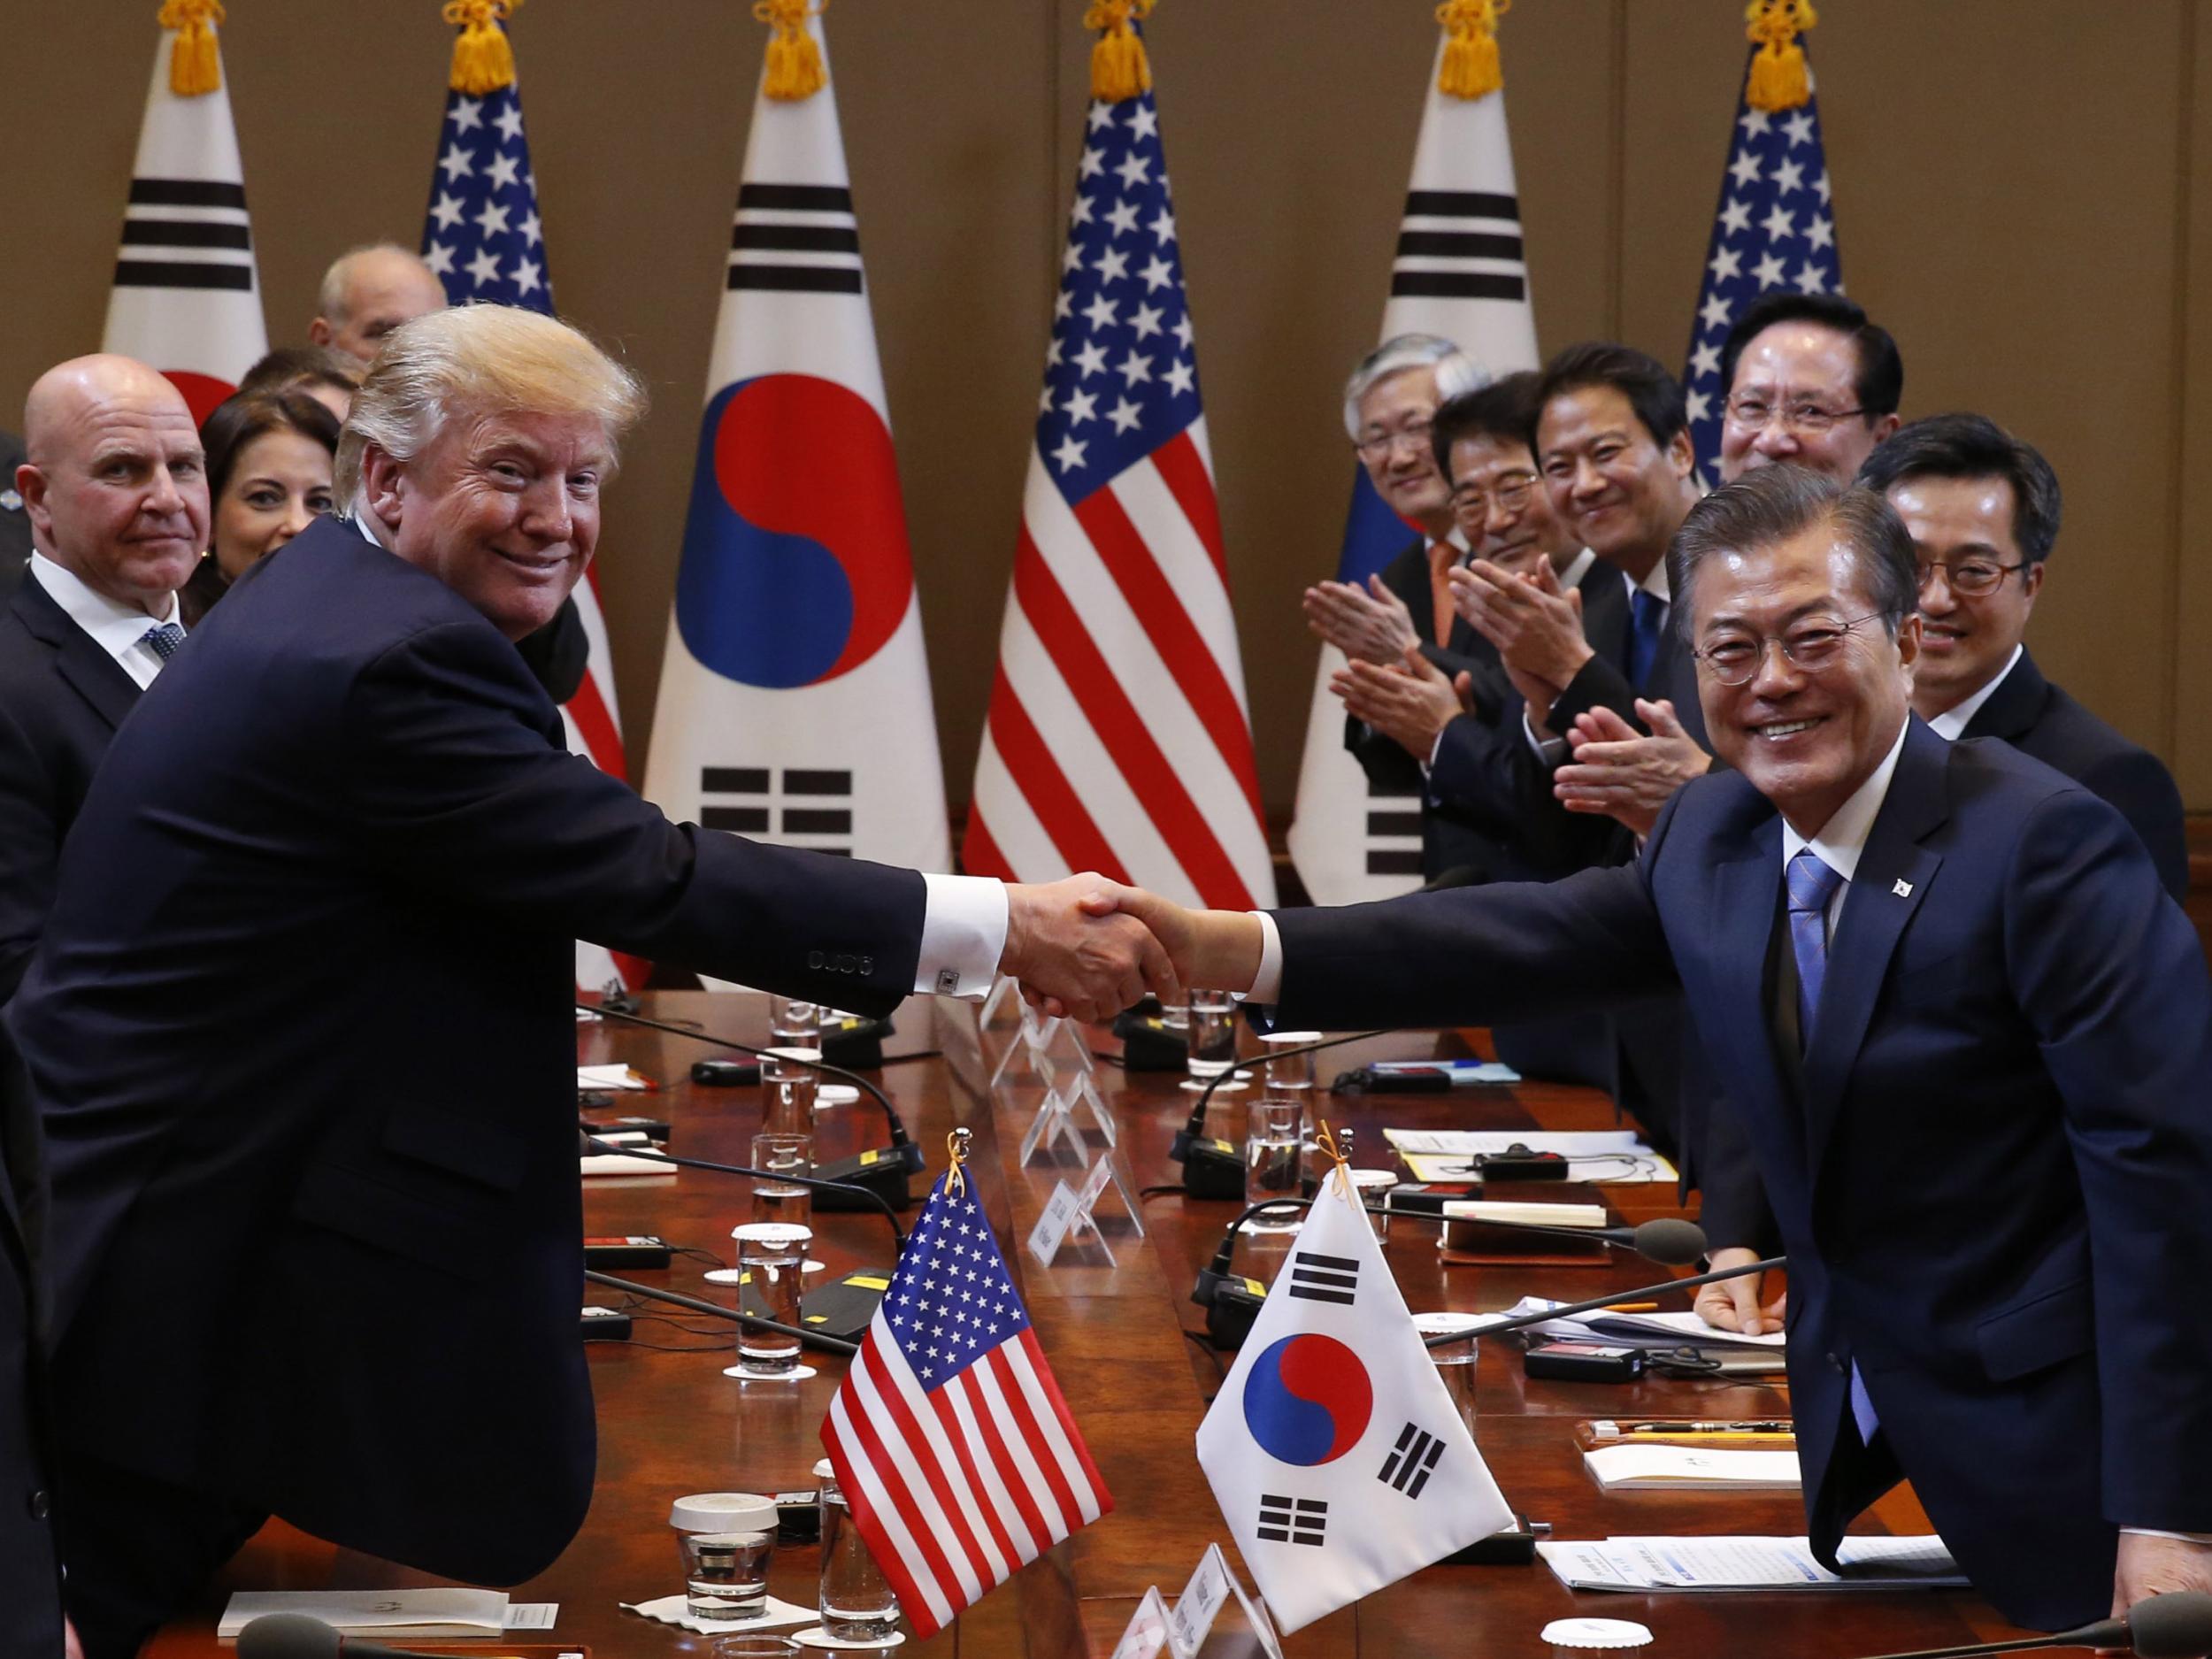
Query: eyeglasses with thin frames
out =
(1511, 491)
(1376, 445)
(1754, 413)
(1735, 661)
(1970, 579)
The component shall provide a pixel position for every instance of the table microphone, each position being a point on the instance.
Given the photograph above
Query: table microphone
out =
(881, 1171)
(297, 1636)
(1522, 1321)
(1213, 1168)
(1231, 1302)
(677, 1299)
(590, 1146)
(2175, 1625)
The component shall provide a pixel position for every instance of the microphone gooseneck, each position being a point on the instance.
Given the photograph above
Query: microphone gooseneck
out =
(1522, 1321)
(2175, 1625)
(1195, 1124)
(676, 1298)
(590, 1144)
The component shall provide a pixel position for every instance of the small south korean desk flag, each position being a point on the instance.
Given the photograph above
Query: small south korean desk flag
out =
(1337, 1459)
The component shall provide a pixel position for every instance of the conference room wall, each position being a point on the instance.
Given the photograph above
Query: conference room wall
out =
(2014, 192)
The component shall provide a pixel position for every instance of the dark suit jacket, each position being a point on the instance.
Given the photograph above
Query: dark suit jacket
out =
(300, 1027)
(2010, 1062)
(61, 698)
(15, 523)
(30, 1568)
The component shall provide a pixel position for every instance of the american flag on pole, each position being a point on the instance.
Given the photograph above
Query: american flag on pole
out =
(948, 1435)
(1118, 738)
(1774, 229)
(187, 300)
(483, 238)
(1460, 272)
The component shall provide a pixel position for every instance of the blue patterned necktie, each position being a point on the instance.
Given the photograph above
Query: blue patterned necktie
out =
(1647, 616)
(162, 641)
(1811, 884)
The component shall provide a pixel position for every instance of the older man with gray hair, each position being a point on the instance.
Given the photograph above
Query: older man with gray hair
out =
(368, 292)
(313, 1261)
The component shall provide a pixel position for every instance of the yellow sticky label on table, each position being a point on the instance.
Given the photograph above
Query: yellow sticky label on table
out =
(817, 1318)
(868, 1281)
(1222, 1146)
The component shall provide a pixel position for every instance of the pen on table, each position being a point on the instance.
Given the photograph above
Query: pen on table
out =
(1630, 1307)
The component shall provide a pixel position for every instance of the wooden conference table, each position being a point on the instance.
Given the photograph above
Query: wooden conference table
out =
(670, 1422)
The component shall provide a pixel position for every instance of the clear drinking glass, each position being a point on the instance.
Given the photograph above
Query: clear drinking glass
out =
(772, 1254)
(1213, 1036)
(726, 1539)
(1455, 1360)
(787, 1090)
(857, 1603)
(1287, 1075)
(1273, 1143)
(793, 1024)
(1373, 1187)
(786, 1201)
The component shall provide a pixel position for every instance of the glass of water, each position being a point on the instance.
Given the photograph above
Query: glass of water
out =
(788, 1083)
(772, 1254)
(785, 1200)
(1455, 1360)
(1213, 1039)
(1273, 1141)
(857, 1603)
(726, 1539)
(793, 1023)
(1288, 1075)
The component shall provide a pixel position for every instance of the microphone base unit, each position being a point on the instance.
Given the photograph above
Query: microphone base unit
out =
(1231, 1302)
(883, 1171)
(1515, 1547)
(1212, 1168)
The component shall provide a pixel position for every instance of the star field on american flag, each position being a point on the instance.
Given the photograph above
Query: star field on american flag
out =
(482, 236)
(1775, 228)
(1120, 376)
(950, 1300)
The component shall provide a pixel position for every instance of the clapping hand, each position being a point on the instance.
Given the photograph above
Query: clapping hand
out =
(1411, 703)
(1624, 773)
(1076, 954)
(1536, 628)
(1368, 625)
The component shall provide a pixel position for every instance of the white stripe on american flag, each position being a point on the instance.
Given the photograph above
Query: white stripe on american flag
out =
(947, 1477)
(1089, 765)
(1014, 824)
(961, 1398)
(1025, 1447)
(1017, 1357)
(599, 659)
(924, 1481)
(910, 1573)
(1183, 558)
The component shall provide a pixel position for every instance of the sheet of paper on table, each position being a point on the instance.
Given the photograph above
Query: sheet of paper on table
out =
(1629, 1330)
(609, 1077)
(1690, 1469)
(1591, 1155)
(393, 1614)
(1639, 1564)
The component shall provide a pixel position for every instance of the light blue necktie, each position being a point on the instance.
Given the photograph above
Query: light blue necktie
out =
(162, 641)
(1811, 884)
(1647, 616)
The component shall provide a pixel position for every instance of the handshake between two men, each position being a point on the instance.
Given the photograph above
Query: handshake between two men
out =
(1086, 946)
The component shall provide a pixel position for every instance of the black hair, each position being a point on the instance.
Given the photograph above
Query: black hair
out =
(1879, 384)
(1974, 446)
(1654, 393)
(1770, 504)
(1504, 409)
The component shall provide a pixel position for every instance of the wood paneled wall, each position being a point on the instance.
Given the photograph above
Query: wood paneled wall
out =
(2022, 190)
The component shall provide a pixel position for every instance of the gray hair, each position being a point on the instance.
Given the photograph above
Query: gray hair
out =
(1456, 372)
(1771, 504)
(476, 360)
(331, 299)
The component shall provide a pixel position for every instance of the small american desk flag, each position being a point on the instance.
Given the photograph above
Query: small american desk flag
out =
(948, 1435)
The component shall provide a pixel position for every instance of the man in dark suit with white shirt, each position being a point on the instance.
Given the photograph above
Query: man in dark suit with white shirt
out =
(297, 1269)
(15, 523)
(1952, 1011)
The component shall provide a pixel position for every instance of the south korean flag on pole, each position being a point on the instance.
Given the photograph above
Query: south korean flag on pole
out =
(1337, 1457)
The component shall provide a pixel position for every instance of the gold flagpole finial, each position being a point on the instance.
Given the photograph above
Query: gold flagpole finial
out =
(1470, 67)
(1340, 1163)
(957, 1145)
(795, 63)
(1780, 80)
(194, 65)
(1119, 69)
(482, 60)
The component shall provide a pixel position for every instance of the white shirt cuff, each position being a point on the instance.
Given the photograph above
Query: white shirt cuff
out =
(1551, 750)
(2153, 1531)
(1267, 984)
(963, 935)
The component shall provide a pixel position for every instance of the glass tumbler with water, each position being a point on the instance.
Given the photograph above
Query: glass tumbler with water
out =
(1455, 1360)
(772, 1254)
(727, 1538)
(784, 1201)
(793, 1024)
(1213, 1036)
(857, 1603)
(788, 1085)
(1273, 1139)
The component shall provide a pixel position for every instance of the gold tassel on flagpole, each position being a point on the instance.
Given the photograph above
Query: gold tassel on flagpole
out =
(1120, 70)
(482, 60)
(1779, 77)
(194, 68)
(1470, 67)
(795, 63)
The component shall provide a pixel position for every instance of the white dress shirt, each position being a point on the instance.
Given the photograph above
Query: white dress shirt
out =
(963, 917)
(1948, 724)
(117, 628)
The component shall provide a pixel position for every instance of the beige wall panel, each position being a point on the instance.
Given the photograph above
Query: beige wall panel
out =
(2190, 625)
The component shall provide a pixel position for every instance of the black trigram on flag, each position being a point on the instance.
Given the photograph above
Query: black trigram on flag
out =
(1462, 245)
(185, 233)
(1412, 1461)
(1292, 1520)
(799, 238)
(798, 806)
(1319, 1278)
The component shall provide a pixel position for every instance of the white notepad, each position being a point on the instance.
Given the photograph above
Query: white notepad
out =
(1690, 1469)
(1642, 1565)
(438, 1615)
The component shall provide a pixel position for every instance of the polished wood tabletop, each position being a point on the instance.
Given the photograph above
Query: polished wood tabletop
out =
(1119, 1336)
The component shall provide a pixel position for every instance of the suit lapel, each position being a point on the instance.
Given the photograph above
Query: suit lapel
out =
(95, 676)
(1893, 879)
(1605, 616)
(1745, 890)
(2015, 706)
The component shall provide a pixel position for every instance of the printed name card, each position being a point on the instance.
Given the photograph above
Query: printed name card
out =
(1060, 1212)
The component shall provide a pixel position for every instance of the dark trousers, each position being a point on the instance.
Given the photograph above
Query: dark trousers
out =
(138, 1551)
